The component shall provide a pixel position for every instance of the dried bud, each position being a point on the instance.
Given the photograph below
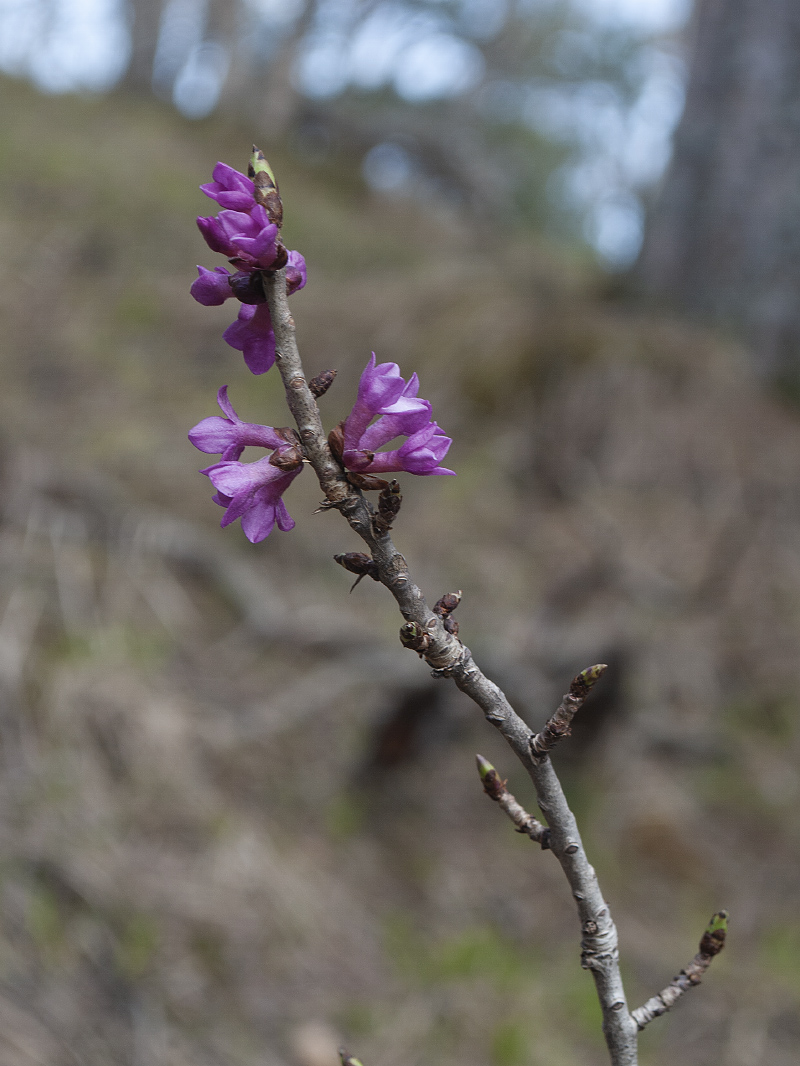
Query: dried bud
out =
(289, 434)
(586, 680)
(713, 939)
(447, 604)
(450, 625)
(287, 458)
(266, 188)
(248, 287)
(389, 503)
(321, 383)
(415, 637)
(336, 441)
(358, 563)
(366, 482)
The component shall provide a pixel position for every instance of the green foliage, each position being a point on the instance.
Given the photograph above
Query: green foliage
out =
(480, 952)
(780, 953)
(510, 1044)
(137, 943)
(45, 921)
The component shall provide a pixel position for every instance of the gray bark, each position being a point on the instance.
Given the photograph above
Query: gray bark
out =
(724, 237)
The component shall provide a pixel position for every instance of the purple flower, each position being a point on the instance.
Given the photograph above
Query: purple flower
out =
(230, 436)
(383, 391)
(212, 287)
(230, 188)
(249, 238)
(296, 275)
(252, 335)
(252, 492)
(243, 232)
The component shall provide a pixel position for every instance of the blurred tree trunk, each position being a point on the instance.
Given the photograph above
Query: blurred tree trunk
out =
(724, 237)
(144, 19)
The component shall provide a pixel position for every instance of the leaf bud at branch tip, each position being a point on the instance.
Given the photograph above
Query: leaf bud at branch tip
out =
(348, 1059)
(713, 939)
(484, 767)
(266, 187)
(586, 680)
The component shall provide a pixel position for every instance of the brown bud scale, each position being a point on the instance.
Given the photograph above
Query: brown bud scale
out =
(320, 384)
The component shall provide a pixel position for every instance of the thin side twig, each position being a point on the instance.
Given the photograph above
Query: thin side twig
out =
(711, 944)
(450, 658)
(495, 788)
(559, 725)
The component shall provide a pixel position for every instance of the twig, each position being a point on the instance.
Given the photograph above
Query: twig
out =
(559, 725)
(496, 789)
(711, 944)
(450, 658)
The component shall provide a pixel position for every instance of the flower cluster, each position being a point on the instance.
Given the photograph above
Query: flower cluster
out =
(382, 391)
(245, 233)
(250, 491)
(246, 230)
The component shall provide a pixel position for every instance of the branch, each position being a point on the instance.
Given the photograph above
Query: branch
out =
(496, 789)
(450, 658)
(711, 944)
(558, 726)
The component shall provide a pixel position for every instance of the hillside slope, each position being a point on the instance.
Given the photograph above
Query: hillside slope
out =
(214, 847)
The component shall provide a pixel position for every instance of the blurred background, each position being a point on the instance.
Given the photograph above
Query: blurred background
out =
(240, 825)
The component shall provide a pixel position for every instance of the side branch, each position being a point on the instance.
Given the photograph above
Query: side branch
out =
(496, 789)
(559, 725)
(711, 944)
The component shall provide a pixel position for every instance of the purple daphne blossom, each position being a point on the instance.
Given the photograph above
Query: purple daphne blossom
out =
(252, 335)
(230, 189)
(252, 492)
(243, 232)
(249, 238)
(212, 287)
(230, 435)
(296, 275)
(383, 391)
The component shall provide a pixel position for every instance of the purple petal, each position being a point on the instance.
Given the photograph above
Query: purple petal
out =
(252, 335)
(230, 188)
(213, 435)
(212, 287)
(259, 521)
(296, 273)
(285, 520)
(260, 248)
(225, 404)
(214, 235)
